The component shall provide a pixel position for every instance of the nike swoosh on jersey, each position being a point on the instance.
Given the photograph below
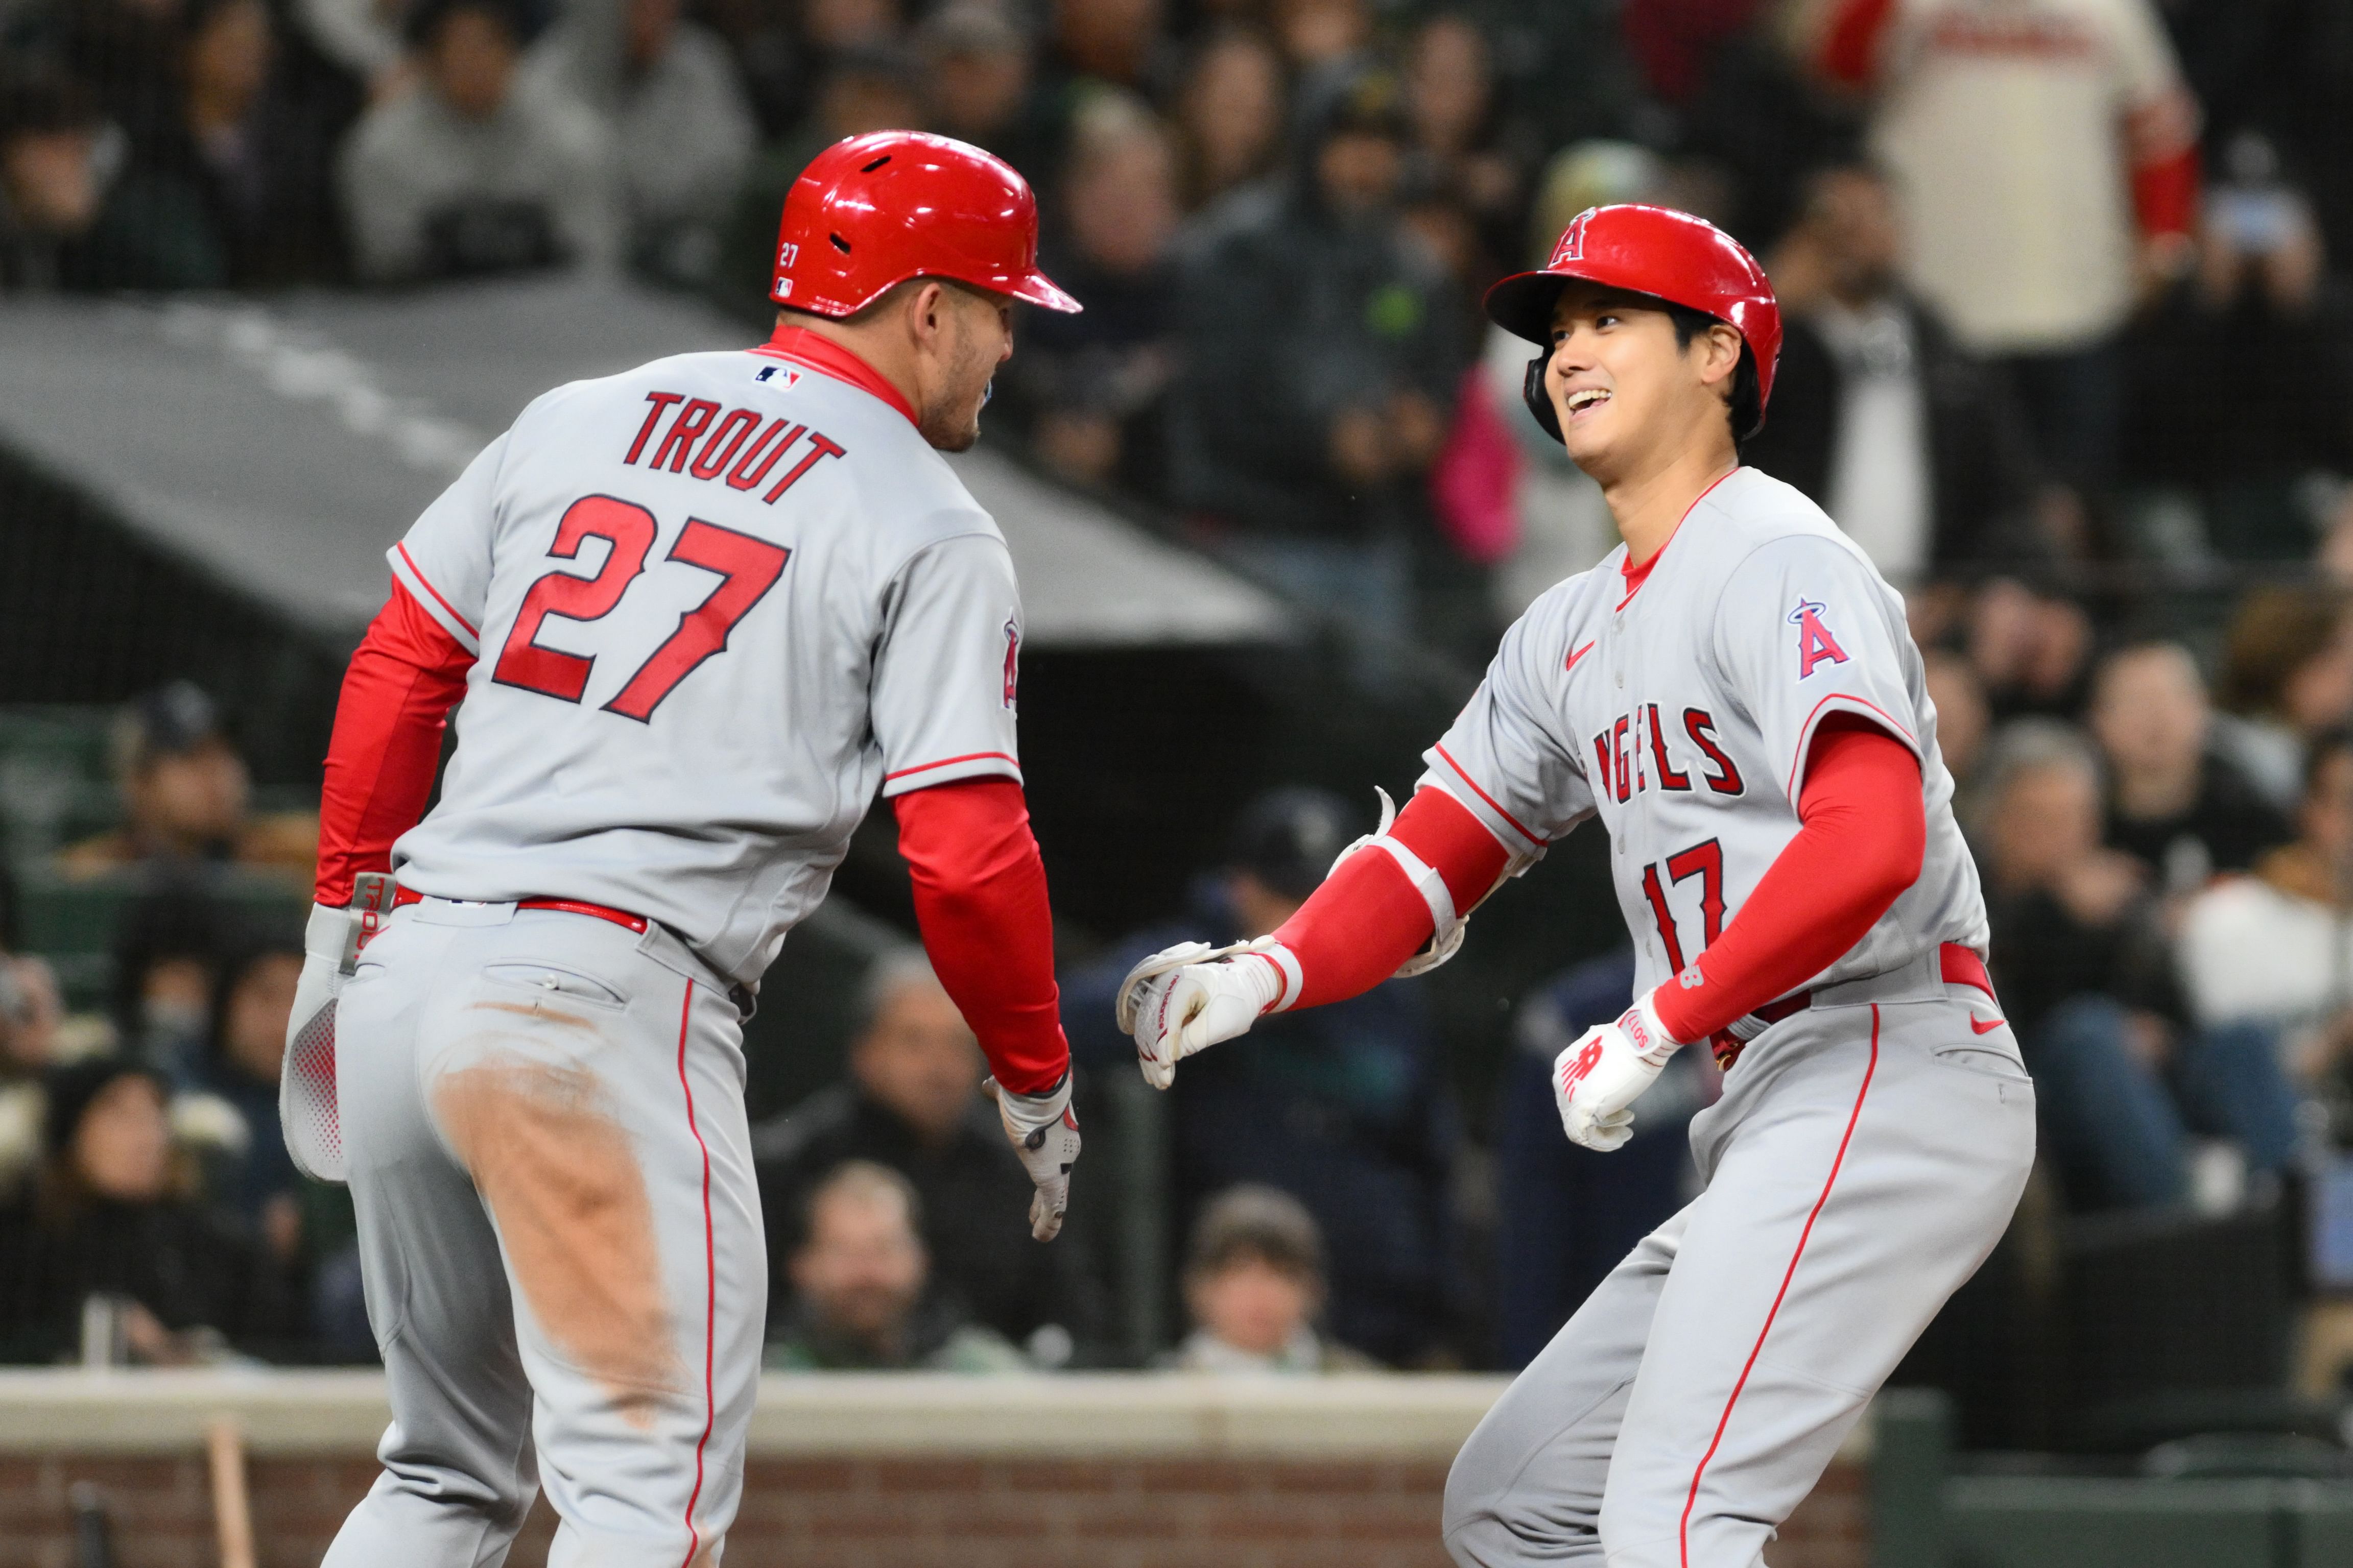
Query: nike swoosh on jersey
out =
(1978, 1028)
(1575, 654)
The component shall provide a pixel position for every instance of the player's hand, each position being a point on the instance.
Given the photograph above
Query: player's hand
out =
(1604, 1070)
(307, 1081)
(1045, 1133)
(1174, 1009)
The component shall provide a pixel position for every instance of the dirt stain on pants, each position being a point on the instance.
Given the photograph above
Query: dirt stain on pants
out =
(560, 1176)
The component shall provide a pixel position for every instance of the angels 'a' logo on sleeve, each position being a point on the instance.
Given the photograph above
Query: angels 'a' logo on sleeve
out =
(1815, 644)
(1013, 660)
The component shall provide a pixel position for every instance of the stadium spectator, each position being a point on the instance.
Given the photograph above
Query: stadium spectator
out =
(674, 112)
(2261, 315)
(73, 216)
(1914, 448)
(112, 1217)
(1230, 115)
(2287, 675)
(1460, 144)
(2086, 977)
(30, 1011)
(245, 1043)
(187, 798)
(2032, 647)
(2274, 951)
(1963, 722)
(467, 174)
(1254, 1285)
(913, 1104)
(1090, 45)
(861, 1299)
(1321, 37)
(1093, 386)
(360, 37)
(977, 78)
(1343, 1107)
(2046, 153)
(1318, 368)
(1567, 1216)
(2183, 810)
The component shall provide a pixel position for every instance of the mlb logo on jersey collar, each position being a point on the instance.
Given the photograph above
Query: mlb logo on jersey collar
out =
(782, 376)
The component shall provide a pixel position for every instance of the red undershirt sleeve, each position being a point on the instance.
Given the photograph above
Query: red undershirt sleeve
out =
(404, 678)
(1865, 832)
(1368, 917)
(981, 905)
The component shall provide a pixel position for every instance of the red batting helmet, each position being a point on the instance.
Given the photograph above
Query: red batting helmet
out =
(1668, 254)
(878, 209)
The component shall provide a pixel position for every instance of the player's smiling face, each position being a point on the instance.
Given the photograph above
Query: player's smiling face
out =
(1621, 384)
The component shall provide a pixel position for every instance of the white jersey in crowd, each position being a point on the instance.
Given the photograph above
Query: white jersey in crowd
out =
(1681, 713)
(714, 602)
(2011, 127)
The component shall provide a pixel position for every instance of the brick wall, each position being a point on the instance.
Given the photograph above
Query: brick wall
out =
(897, 1512)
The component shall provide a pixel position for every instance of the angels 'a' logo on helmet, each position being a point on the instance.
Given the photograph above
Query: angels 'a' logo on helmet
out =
(1572, 240)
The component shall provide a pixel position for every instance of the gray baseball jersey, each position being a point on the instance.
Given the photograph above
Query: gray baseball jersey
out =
(1869, 1147)
(715, 602)
(1680, 712)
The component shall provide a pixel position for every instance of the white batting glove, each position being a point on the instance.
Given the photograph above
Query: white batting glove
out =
(1174, 1009)
(1604, 1070)
(306, 1080)
(1045, 1133)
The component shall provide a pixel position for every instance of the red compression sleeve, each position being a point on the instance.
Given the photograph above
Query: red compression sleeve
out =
(1368, 917)
(980, 901)
(405, 676)
(1865, 832)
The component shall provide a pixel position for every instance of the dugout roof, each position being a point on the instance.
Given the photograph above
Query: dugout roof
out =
(281, 446)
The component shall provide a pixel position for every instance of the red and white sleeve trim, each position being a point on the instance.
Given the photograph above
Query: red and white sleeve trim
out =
(1492, 807)
(1844, 702)
(431, 600)
(952, 770)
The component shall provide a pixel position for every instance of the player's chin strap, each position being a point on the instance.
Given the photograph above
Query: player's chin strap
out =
(1446, 924)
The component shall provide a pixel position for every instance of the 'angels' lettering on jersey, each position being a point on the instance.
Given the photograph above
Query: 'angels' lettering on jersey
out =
(1665, 711)
(1634, 754)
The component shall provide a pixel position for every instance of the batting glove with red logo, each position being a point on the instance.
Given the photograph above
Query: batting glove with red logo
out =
(1045, 1133)
(1604, 1070)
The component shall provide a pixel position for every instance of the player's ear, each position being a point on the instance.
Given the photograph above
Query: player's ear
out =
(927, 307)
(1721, 348)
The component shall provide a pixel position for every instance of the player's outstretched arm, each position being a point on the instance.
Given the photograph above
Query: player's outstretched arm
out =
(404, 678)
(1382, 901)
(981, 904)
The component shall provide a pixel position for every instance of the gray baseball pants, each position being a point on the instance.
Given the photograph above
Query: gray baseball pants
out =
(1864, 1160)
(560, 1235)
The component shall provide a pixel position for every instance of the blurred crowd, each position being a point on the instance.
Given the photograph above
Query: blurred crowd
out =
(2070, 353)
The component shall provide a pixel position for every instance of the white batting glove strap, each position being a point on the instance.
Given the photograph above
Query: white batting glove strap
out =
(1602, 1072)
(1198, 1006)
(1044, 1133)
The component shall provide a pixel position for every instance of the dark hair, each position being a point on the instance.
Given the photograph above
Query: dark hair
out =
(1746, 406)
(40, 101)
(423, 26)
(1256, 1224)
(73, 1089)
(2275, 632)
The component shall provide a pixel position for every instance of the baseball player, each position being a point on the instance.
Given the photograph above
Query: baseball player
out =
(691, 616)
(1734, 694)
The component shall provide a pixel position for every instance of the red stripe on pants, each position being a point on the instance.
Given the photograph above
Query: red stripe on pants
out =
(1683, 1529)
(711, 1278)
